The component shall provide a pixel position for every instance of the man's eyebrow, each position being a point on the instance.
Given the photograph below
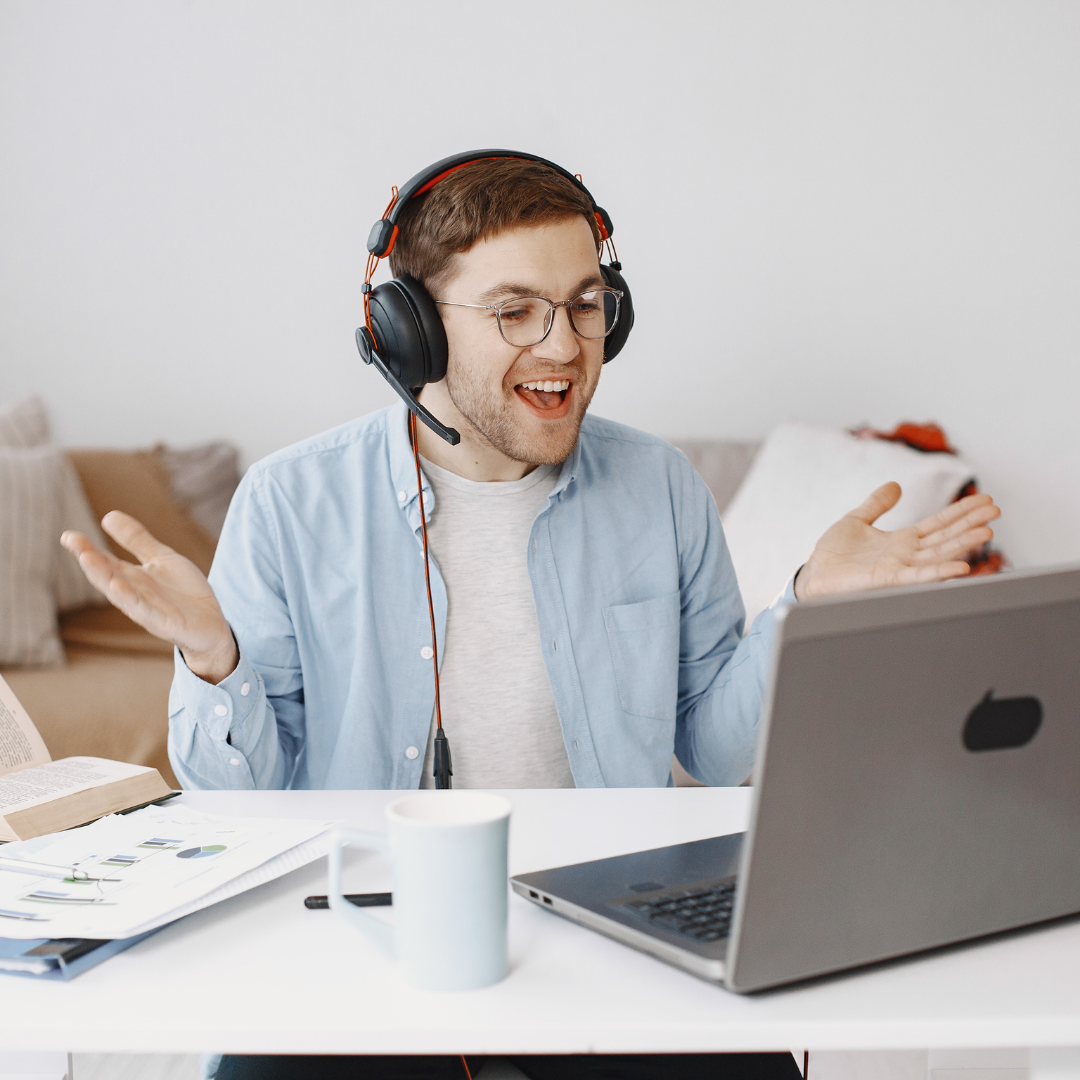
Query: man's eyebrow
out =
(508, 288)
(517, 288)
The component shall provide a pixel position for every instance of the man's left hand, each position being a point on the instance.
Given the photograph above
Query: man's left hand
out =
(853, 556)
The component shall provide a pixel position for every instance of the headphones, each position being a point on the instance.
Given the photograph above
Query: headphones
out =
(403, 334)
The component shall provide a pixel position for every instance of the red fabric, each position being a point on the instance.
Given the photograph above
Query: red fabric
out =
(928, 438)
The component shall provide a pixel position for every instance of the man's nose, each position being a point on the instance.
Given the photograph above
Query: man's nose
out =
(561, 344)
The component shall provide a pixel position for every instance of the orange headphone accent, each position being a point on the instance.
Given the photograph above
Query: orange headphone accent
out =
(373, 261)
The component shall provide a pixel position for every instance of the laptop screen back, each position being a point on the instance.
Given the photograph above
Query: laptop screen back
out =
(918, 777)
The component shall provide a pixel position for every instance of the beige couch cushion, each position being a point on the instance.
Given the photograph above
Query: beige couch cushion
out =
(110, 706)
(29, 530)
(138, 483)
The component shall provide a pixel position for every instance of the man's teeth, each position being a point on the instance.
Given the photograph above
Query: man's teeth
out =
(548, 387)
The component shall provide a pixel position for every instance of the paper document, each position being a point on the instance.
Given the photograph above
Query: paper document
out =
(151, 866)
(31, 787)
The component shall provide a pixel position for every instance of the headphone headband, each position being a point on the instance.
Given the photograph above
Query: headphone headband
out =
(383, 234)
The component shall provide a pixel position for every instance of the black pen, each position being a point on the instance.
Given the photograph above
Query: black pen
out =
(362, 899)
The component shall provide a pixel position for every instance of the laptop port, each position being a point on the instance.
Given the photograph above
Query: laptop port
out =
(547, 899)
(534, 895)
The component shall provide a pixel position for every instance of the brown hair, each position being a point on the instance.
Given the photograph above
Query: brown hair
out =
(474, 203)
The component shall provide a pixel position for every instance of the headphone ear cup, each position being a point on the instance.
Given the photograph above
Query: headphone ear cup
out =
(408, 331)
(614, 342)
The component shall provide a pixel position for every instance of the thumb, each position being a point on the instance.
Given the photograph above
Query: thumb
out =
(877, 503)
(134, 536)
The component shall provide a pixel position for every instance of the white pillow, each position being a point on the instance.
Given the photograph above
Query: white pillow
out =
(805, 479)
(26, 424)
(30, 482)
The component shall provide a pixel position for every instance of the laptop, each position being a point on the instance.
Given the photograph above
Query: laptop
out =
(916, 785)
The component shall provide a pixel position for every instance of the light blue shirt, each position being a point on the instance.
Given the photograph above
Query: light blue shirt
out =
(320, 573)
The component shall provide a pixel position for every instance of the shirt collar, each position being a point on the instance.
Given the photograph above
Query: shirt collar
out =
(402, 465)
(403, 468)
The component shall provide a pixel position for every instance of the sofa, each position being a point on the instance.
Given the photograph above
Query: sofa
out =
(109, 695)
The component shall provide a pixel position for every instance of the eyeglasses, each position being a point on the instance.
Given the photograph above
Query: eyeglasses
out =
(527, 320)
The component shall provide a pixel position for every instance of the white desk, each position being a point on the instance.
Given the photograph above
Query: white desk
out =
(260, 973)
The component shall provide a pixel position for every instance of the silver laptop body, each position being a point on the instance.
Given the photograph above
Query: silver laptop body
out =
(917, 784)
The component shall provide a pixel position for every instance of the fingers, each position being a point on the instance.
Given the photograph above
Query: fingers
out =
(99, 566)
(877, 503)
(134, 536)
(124, 586)
(980, 506)
(959, 546)
(941, 571)
(75, 542)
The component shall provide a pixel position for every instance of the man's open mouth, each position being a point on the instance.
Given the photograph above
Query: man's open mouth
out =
(545, 395)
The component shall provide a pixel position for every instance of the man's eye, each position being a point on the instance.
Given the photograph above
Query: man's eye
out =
(515, 314)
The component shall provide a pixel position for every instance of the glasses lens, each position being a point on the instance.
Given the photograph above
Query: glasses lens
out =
(595, 313)
(524, 320)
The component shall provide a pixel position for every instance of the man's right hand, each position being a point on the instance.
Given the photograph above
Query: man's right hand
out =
(167, 594)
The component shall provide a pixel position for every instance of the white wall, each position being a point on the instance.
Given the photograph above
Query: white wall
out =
(840, 212)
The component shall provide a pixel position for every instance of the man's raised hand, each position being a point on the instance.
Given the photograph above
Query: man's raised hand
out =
(853, 556)
(167, 594)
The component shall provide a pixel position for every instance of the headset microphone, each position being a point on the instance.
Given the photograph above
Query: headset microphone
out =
(370, 355)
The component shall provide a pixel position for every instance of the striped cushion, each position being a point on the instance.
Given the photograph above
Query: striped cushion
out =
(26, 424)
(30, 515)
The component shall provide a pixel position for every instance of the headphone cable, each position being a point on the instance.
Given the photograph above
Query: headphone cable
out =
(443, 767)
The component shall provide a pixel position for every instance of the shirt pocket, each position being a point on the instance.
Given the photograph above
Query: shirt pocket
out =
(644, 642)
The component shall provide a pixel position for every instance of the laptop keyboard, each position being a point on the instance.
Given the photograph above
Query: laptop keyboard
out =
(703, 913)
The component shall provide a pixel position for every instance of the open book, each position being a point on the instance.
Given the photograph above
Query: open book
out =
(39, 795)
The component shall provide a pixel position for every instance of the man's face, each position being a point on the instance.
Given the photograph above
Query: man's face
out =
(491, 383)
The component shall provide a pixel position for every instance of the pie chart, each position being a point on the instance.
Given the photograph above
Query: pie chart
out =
(203, 852)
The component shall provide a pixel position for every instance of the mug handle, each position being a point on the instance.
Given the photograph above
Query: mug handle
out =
(382, 932)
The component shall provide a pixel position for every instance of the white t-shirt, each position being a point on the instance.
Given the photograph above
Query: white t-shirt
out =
(497, 707)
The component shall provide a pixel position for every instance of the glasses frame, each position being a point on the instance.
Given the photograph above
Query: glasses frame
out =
(553, 306)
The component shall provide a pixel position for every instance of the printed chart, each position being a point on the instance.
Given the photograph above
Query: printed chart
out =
(126, 874)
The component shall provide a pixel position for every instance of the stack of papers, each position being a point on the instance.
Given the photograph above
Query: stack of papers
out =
(127, 875)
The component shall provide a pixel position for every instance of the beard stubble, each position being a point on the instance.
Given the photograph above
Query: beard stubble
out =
(492, 418)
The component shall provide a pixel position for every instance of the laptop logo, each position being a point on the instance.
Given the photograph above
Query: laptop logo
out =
(1002, 724)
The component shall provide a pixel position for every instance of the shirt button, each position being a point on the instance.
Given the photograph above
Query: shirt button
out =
(576, 747)
(426, 652)
(412, 753)
(401, 496)
(245, 689)
(220, 710)
(234, 761)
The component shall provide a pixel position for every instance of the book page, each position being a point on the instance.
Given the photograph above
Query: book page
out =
(20, 743)
(55, 779)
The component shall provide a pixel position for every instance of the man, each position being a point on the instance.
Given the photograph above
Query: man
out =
(588, 615)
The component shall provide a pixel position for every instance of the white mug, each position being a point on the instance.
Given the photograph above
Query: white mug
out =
(448, 854)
